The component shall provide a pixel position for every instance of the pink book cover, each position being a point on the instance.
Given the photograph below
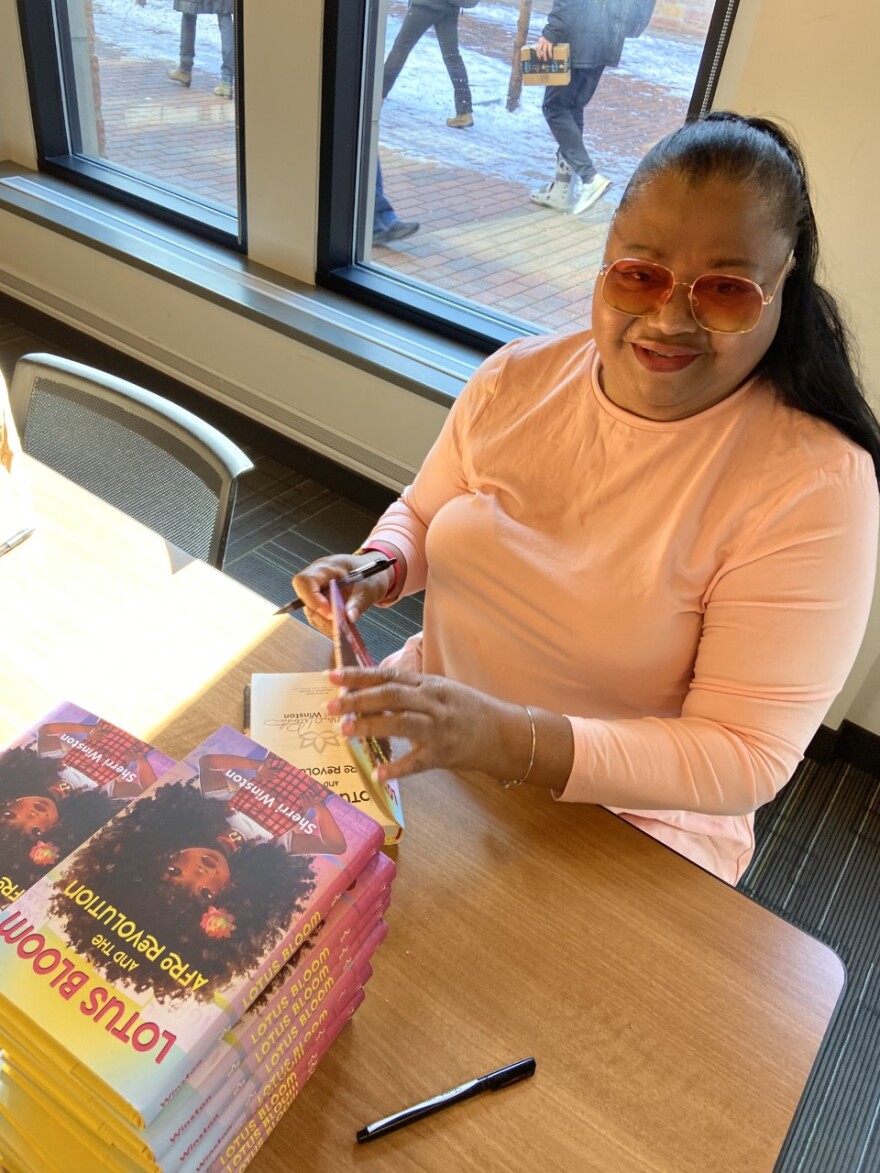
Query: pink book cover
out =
(254, 1092)
(212, 1082)
(60, 780)
(369, 752)
(238, 1152)
(292, 1004)
(232, 1101)
(93, 1148)
(283, 1015)
(197, 1151)
(128, 960)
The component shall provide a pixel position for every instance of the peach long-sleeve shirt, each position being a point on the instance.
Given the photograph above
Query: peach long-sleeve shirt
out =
(690, 594)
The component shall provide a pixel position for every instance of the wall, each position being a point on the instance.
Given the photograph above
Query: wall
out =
(806, 61)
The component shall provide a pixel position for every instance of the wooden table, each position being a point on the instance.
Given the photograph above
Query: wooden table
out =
(674, 1021)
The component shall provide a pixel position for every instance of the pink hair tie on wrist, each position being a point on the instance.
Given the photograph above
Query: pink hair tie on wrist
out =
(382, 548)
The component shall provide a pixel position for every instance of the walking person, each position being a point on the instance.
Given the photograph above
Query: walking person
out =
(387, 225)
(595, 30)
(442, 16)
(190, 11)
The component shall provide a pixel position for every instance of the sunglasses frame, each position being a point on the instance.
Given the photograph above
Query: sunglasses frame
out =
(766, 298)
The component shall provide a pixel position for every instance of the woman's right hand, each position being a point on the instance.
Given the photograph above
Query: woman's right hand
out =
(359, 597)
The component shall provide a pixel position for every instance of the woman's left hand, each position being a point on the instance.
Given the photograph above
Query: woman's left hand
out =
(448, 725)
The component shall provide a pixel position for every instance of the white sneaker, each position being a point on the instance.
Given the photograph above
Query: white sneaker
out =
(552, 195)
(584, 195)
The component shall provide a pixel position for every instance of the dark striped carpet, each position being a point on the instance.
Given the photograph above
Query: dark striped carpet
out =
(817, 865)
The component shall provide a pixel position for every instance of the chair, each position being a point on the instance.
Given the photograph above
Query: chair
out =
(156, 461)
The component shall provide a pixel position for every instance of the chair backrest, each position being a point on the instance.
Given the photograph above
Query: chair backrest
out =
(156, 461)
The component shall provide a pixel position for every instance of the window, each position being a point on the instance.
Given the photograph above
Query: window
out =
(139, 101)
(459, 145)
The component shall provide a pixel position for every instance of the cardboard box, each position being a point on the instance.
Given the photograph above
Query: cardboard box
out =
(556, 72)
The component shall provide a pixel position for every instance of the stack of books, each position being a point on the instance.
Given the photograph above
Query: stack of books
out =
(168, 988)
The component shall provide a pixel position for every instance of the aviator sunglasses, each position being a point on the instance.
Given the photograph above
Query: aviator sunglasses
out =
(720, 302)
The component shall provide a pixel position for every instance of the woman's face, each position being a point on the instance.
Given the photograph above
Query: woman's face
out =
(32, 815)
(665, 366)
(202, 871)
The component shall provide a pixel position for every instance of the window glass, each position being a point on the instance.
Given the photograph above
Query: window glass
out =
(466, 152)
(149, 102)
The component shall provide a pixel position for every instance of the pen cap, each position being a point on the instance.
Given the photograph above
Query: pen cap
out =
(514, 1072)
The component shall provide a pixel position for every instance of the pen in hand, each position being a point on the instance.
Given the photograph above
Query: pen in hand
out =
(362, 572)
(495, 1080)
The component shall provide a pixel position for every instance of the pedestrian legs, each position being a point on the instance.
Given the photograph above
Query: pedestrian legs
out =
(383, 213)
(447, 36)
(415, 24)
(563, 109)
(187, 41)
(227, 47)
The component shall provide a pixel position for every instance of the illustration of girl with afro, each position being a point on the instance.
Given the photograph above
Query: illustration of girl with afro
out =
(42, 817)
(62, 785)
(207, 867)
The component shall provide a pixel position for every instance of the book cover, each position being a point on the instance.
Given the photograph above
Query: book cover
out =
(241, 1148)
(287, 1013)
(128, 960)
(60, 780)
(288, 715)
(77, 1143)
(261, 1090)
(350, 651)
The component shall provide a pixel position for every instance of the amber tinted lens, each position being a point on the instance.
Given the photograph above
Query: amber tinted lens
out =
(726, 305)
(636, 287)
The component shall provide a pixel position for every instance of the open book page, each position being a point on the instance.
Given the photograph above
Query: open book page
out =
(288, 715)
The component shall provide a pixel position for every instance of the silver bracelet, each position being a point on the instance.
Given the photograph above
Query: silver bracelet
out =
(508, 782)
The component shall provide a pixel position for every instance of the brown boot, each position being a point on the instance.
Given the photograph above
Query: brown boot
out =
(460, 121)
(181, 75)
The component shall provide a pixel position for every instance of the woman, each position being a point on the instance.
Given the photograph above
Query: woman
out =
(659, 537)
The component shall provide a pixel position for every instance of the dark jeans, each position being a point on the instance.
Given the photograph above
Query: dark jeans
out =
(227, 44)
(563, 109)
(415, 24)
(383, 213)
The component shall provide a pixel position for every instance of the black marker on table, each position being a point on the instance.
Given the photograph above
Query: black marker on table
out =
(362, 572)
(492, 1082)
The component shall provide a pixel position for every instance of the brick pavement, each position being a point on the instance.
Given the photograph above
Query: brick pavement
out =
(531, 263)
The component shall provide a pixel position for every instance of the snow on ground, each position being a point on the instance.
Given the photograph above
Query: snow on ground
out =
(512, 146)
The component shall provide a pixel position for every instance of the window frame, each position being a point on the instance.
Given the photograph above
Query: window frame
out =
(349, 45)
(46, 43)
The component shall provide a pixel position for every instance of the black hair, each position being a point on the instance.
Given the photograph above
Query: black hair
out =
(125, 864)
(23, 773)
(810, 361)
